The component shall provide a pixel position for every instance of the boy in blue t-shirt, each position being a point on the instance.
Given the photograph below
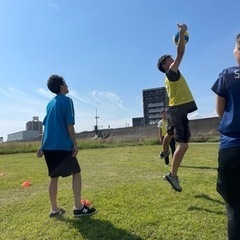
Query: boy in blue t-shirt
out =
(59, 147)
(227, 88)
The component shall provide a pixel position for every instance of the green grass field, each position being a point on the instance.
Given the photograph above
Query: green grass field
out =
(126, 186)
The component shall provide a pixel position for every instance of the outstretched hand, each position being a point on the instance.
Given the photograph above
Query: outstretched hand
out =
(182, 27)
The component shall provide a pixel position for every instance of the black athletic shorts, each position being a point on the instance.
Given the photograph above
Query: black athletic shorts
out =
(179, 125)
(179, 121)
(228, 180)
(61, 163)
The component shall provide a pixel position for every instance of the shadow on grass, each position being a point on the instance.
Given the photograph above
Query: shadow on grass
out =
(199, 167)
(206, 210)
(93, 229)
(206, 197)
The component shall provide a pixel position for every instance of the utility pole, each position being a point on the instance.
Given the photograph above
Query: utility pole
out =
(96, 128)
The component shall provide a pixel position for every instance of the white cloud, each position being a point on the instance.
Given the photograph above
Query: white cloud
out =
(52, 4)
(83, 99)
(45, 93)
(16, 97)
(108, 100)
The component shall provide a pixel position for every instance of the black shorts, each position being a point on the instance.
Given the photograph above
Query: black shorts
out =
(228, 180)
(61, 163)
(179, 125)
(179, 121)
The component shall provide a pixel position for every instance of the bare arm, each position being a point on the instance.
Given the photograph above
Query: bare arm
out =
(180, 48)
(39, 152)
(160, 135)
(220, 106)
(71, 132)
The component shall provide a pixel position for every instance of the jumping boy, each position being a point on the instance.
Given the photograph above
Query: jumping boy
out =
(181, 102)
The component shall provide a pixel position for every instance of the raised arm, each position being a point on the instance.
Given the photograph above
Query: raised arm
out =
(180, 48)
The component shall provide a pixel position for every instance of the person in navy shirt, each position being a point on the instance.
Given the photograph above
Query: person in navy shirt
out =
(59, 147)
(227, 89)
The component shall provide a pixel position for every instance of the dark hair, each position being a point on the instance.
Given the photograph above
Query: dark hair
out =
(238, 37)
(54, 83)
(160, 62)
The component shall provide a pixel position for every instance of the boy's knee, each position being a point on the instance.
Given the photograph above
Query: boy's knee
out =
(183, 146)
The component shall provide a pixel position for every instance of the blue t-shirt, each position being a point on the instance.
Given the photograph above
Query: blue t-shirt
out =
(60, 114)
(228, 87)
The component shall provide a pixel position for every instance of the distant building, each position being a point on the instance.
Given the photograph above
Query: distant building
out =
(155, 100)
(138, 121)
(23, 136)
(35, 124)
(34, 130)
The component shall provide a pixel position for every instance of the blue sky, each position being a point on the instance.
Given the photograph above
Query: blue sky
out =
(107, 52)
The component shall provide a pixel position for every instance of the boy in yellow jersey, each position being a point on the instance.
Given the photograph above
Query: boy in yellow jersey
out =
(163, 129)
(181, 102)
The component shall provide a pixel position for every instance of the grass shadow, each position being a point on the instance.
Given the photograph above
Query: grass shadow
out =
(199, 167)
(206, 197)
(206, 210)
(93, 229)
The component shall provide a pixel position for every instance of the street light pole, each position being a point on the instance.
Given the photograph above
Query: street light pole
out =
(96, 119)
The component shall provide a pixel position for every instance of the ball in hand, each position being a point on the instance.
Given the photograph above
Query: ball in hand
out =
(176, 37)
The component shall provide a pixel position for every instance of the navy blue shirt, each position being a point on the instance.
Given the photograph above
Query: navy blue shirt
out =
(228, 87)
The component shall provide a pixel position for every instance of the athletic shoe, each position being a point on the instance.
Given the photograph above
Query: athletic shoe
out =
(84, 211)
(56, 214)
(164, 154)
(173, 181)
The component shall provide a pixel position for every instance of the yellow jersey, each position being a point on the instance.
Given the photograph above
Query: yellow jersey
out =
(178, 91)
(163, 124)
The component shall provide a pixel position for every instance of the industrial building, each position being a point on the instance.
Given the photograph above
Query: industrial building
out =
(35, 124)
(138, 121)
(34, 130)
(155, 100)
(23, 135)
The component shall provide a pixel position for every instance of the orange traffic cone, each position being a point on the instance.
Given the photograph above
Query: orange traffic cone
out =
(26, 184)
(86, 202)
